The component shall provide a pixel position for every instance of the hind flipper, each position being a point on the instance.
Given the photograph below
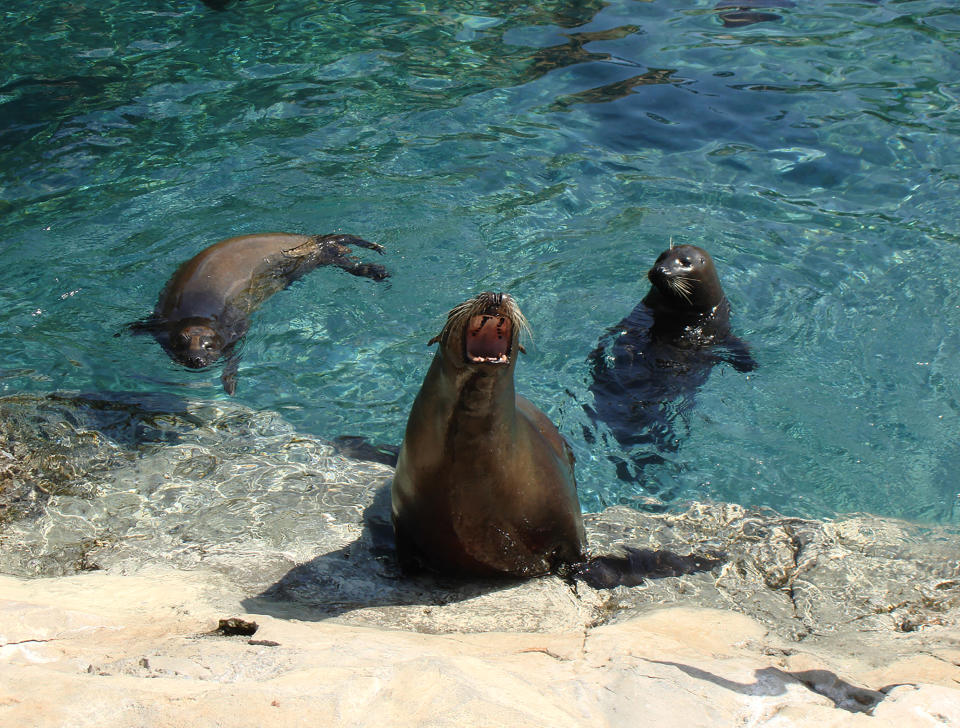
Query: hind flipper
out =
(333, 250)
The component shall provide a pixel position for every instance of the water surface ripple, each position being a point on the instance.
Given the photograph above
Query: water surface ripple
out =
(549, 149)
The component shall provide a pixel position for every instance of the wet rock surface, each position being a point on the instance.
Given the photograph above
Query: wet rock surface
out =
(189, 513)
(305, 533)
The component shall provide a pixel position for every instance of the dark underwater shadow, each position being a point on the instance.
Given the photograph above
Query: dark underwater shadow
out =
(363, 574)
(61, 442)
(60, 423)
(131, 419)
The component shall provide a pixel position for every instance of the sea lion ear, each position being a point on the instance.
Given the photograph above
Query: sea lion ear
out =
(434, 340)
(522, 350)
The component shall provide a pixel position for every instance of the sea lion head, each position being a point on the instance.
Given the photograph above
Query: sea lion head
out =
(686, 277)
(195, 344)
(483, 332)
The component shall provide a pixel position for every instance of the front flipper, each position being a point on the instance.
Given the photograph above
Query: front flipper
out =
(231, 369)
(738, 354)
(146, 325)
(343, 239)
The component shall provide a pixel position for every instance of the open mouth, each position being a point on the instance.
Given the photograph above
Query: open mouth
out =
(488, 339)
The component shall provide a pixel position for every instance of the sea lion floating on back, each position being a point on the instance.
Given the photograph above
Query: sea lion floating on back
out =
(484, 483)
(205, 308)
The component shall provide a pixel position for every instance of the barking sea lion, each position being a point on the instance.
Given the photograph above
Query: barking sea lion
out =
(484, 483)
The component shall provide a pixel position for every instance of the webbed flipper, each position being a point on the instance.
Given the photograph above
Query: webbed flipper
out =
(738, 354)
(230, 372)
(333, 250)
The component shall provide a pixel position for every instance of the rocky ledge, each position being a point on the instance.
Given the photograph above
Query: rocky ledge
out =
(208, 565)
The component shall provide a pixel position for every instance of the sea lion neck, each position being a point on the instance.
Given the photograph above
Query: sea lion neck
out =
(477, 389)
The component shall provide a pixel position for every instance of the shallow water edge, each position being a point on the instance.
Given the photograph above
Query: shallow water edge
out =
(119, 483)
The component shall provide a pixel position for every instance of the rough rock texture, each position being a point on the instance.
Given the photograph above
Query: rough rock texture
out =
(153, 519)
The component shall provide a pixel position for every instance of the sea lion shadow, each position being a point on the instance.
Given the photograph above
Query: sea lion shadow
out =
(364, 574)
(367, 574)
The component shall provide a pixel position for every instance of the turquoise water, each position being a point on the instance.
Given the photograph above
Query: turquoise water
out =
(547, 149)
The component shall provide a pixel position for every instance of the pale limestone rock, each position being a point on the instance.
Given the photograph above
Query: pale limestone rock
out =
(199, 511)
(111, 650)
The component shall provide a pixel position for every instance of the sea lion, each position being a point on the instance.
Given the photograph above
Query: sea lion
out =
(484, 483)
(647, 368)
(204, 309)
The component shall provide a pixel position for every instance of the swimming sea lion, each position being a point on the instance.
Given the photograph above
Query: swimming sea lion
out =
(664, 350)
(484, 483)
(204, 309)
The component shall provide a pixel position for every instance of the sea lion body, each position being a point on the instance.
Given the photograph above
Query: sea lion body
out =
(484, 482)
(205, 307)
(647, 368)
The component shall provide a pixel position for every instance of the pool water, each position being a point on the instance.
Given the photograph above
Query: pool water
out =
(546, 149)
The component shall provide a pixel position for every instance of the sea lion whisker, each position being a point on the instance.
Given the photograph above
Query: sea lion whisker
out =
(683, 286)
(459, 316)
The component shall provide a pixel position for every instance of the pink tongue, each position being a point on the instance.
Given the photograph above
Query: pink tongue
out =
(488, 338)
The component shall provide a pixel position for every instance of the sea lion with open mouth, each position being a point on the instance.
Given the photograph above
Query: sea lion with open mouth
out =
(205, 308)
(647, 368)
(484, 483)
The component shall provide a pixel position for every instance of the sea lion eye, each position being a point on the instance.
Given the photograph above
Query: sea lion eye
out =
(685, 262)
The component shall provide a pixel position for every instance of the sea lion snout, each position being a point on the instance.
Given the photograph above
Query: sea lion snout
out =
(657, 274)
(495, 301)
(483, 330)
(488, 334)
(197, 346)
(680, 260)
